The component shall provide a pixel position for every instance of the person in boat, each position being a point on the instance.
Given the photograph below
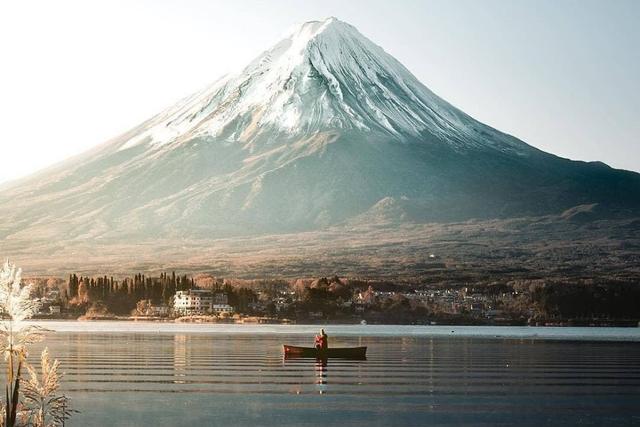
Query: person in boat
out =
(318, 342)
(322, 341)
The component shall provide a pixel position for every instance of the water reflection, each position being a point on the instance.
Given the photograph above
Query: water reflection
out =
(321, 371)
(346, 369)
(321, 375)
(179, 358)
(186, 379)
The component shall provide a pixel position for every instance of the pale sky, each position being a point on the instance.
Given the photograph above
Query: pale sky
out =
(562, 75)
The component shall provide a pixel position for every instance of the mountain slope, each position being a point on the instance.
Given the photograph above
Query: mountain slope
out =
(319, 130)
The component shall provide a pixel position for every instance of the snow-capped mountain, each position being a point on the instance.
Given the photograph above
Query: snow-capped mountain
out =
(324, 128)
(324, 76)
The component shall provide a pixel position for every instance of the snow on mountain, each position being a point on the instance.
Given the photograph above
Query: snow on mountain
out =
(324, 128)
(324, 76)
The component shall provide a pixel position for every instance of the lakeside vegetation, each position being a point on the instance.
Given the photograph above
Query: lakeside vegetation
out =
(351, 300)
(36, 401)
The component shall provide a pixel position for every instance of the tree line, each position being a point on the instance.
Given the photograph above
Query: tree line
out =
(121, 296)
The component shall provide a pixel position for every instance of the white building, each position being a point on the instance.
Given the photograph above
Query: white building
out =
(199, 301)
(193, 301)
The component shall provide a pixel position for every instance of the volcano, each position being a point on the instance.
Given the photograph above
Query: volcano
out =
(323, 129)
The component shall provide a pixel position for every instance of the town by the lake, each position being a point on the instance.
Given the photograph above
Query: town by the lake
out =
(205, 298)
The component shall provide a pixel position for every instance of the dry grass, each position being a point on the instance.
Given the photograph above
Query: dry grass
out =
(526, 247)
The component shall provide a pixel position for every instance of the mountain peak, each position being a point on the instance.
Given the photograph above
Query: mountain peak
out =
(330, 23)
(325, 35)
(303, 34)
(324, 76)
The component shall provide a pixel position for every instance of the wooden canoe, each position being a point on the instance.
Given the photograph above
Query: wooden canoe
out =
(357, 353)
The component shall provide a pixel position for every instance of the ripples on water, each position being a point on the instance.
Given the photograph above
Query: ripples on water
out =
(182, 379)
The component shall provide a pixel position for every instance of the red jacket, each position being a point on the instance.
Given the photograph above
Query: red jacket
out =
(321, 341)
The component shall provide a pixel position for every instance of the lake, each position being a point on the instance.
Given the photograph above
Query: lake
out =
(141, 374)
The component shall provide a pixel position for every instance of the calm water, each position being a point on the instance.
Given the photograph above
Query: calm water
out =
(133, 375)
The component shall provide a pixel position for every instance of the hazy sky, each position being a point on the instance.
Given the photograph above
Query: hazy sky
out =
(561, 75)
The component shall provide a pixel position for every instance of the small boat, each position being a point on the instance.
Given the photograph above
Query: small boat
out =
(355, 353)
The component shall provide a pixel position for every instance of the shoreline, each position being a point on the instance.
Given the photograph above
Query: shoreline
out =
(251, 320)
(348, 330)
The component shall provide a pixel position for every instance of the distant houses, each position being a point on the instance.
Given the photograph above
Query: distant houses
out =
(148, 308)
(170, 296)
(50, 303)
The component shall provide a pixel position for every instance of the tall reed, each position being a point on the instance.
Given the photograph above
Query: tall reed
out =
(16, 306)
